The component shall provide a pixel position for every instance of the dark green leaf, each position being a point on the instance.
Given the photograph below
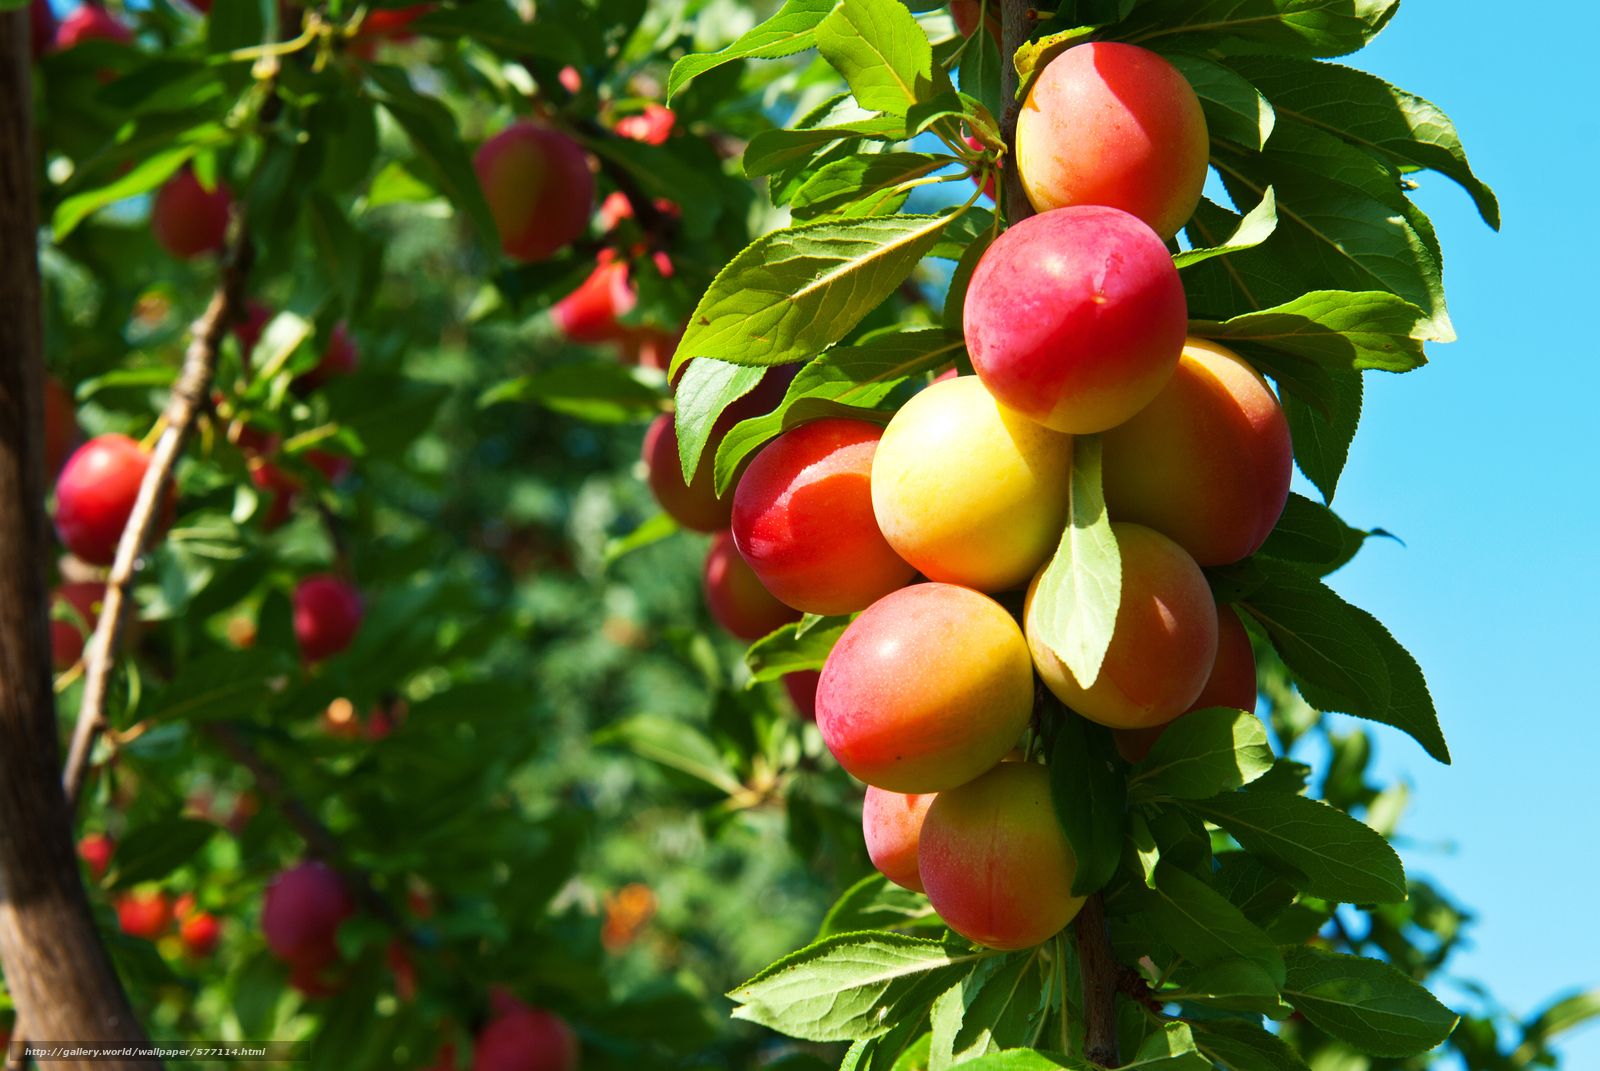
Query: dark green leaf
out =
(1297, 27)
(996, 1007)
(881, 52)
(1090, 798)
(1203, 926)
(1335, 328)
(1365, 1003)
(674, 744)
(876, 903)
(791, 29)
(792, 648)
(603, 392)
(1323, 428)
(1202, 754)
(1234, 108)
(1230, 985)
(1170, 1048)
(1320, 637)
(151, 852)
(853, 185)
(1322, 850)
(1312, 535)
(706, 388)
(1242, 1046)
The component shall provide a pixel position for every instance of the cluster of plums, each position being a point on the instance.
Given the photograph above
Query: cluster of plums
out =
(1076, 323)
(151, 914)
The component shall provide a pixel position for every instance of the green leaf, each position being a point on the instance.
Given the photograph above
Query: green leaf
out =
(773, 150)
(1074, 608)
(1234, 108)
(498, 26)
(1090, 798)
(846, 988)
(142, 178)
(1370, 114)
(1335, 328)
(792, 29)
(882, 53)
(673, 744)
(1365, 1003)
(1203, 926)
(1319, 637)
(706, 388)
(151, 852)
(847, 380)
(791, 648)
(1322, 850)
(854, 185)
(1025, 1060)
(1203, 753)
(602, 392)
(1561, 1016)
(434, 134)
(654, 530)
(995, 1007)
(1035, 56)
(1296, 27)
(876, 903)
(1410, 704)
(1231, 985)
(1322, 433)
(1242, 1046)
(793, 293)
(1310, 534)
(1343, 223)
(1171, 1048)
(1252, 886)
(1254, 228)
(229, 684)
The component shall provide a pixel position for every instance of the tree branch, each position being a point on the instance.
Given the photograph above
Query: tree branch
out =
(1015, 28)
(57, 972)
(1098, 969)
(190, 395)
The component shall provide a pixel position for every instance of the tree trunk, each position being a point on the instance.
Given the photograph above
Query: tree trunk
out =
(59, 975)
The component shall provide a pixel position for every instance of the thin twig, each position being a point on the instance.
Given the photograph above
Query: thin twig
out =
(190, 395)
(1015, 28)
(318, 837)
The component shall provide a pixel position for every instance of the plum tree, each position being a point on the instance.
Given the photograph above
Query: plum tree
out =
(928, 688)
(803, 519)
(591, 314)
(968, 491)
(189, 220)
(735, 596)
(95, 493)
(1113, 124)
(1232, 683)
(1163, 643)
(994, 861)
(891, 824)
(1076, 317)
(524, 1038)
(75, 607)
(301, 914)
(327, 614)
(1207, 462)
(539, 188)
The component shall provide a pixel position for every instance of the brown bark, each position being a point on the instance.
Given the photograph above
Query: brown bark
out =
(1098, 969)
(1015, 28)
(56, 969)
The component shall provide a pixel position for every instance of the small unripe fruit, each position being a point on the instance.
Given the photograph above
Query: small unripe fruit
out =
(802, 518)
(95, 850)
(187, 219)
(69, 633)
(539, 188)
(968, 491)
(327, 614)
(734, 594)
(199, 931)
(1163, 644)
(994, 861)
(144, 915)
(339, 358)
(95, 494)
(1116, 125)
(249, 327)
(1076, 317)
(590, 314)
(891, 824)
(41, 28)
(89, 22)
(1232, 684)
(651, 126)
(925, 690)
(301, 913)
(521, 1038)
(1208, 462)
(967, 13)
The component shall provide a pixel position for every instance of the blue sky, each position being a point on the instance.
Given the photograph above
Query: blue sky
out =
(1485, 463)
